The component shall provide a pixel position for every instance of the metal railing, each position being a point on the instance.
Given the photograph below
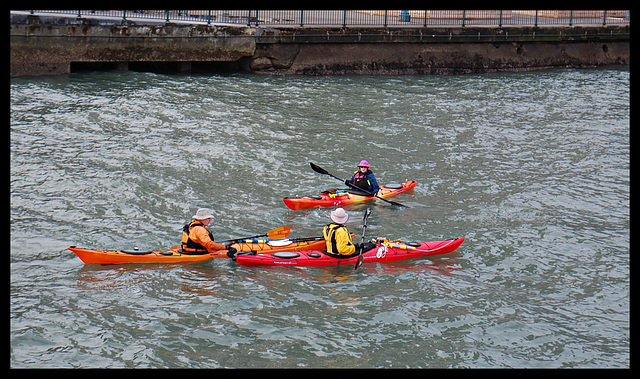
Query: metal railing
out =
(359, 18)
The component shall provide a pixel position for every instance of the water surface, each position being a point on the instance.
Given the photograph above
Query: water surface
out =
(531, 168)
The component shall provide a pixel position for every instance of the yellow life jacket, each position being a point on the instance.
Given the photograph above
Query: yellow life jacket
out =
(334, 239)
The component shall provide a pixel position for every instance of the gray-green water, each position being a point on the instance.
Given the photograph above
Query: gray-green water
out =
(532, 168)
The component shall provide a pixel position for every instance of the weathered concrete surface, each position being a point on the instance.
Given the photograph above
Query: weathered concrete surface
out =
(437, 58)
(48, 47)
(441, 51)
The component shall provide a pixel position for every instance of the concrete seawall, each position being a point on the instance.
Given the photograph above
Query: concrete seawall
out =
(50, 46)
(441, 51)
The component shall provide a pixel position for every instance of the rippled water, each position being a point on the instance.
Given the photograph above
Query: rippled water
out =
(532, 168)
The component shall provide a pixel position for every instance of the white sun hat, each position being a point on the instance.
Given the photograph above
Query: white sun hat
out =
(339, 216)
(203, 214)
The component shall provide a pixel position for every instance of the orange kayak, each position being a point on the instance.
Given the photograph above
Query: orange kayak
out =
(174, 254)
(344, 197)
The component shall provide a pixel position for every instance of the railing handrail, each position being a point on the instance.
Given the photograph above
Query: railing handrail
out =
(359, 18)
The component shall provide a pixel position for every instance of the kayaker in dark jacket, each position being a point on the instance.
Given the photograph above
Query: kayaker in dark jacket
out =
(196, 239)
(364, 178)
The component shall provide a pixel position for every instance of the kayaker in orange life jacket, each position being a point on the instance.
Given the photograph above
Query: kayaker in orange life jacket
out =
(364, 178)
(196, 239)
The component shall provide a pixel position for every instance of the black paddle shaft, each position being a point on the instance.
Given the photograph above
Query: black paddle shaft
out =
(364, 230)
(321, 170)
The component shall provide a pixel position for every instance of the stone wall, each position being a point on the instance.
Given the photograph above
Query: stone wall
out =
(49, 48)
(436, 58)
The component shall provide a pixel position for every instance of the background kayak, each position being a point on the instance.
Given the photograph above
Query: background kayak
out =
(343, 197)
(386, 251)
(173, 255)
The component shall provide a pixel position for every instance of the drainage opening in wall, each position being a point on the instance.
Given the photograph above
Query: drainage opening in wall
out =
(158, 67)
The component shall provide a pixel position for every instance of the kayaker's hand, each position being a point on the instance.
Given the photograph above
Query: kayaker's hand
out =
(346, 183)
(232, 252)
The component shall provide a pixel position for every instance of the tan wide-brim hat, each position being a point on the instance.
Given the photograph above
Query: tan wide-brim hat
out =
(339, 216)
(203, 214)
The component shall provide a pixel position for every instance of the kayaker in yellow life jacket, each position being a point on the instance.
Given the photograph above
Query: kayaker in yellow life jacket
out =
(337, 235)
(196, 239)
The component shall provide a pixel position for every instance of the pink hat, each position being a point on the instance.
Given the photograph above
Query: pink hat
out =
(364, 163)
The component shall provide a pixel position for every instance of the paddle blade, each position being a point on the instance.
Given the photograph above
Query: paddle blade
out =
(359, 261)
(366, 215)
(281, 232)
(392, 202)
(318, 169)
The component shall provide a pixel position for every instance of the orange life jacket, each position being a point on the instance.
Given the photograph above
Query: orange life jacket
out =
(190, 246)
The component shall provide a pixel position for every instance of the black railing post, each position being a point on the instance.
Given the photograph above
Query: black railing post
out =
(571, 18)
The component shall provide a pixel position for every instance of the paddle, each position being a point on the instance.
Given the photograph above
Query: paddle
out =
(280, 232)
(321, 170)
(306, 239)
(364, 230)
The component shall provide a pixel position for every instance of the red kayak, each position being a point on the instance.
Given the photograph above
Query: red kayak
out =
(384, 251)
(347, 196)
